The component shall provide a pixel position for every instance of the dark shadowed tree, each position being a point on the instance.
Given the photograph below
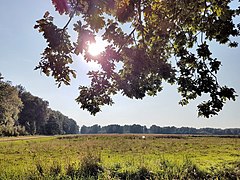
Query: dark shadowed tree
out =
(136, 128)
(84, 130)
(70, 126)
(126, 128)
(114, 128)
(154, 129)
(39, 119)
(53, 125)
(65, 124)
(10, 106)
(34, 113)
(143, 35)
(157, 130)
(94, 129)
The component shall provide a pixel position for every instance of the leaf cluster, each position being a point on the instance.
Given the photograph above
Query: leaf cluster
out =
(138, 58)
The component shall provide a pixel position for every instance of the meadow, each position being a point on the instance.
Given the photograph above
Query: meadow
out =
(120, 157)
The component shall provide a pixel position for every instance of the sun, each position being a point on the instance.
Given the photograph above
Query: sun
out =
(96, 48)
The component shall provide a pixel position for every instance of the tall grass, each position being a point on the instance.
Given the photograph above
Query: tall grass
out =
(120, 157)
(91, 168)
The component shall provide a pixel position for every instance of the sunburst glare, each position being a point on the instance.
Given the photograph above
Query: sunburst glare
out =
(96, 48)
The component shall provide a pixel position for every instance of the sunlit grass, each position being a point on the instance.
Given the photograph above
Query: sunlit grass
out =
(126, 152)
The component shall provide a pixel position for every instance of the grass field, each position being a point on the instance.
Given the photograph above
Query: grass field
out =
(120, 157)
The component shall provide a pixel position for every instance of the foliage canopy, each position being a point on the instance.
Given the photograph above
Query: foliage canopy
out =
(138, 58)
(22, 113)
(38, 118)
(10, 107)
(10, 104)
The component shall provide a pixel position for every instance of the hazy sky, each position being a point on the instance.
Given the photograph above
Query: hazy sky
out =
(20, 49)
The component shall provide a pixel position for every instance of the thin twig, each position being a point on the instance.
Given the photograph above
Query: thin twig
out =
(71, 16)
(126, 40)
(70, 19)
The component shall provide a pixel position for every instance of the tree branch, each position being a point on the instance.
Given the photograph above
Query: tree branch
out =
(126, 40)
(70, 19)
(71, 16)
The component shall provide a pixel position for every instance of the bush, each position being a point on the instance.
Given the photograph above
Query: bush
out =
(55, 170)
(90, 166)
(231, 173)
(190, 171)
(9, 130)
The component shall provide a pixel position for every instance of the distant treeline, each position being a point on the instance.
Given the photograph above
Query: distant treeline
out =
(136, 128)
(22, 113)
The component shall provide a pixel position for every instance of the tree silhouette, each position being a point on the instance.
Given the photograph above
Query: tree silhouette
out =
(10, 107)
(138, 59)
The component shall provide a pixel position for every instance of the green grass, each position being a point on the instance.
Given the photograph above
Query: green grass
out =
(118, 154)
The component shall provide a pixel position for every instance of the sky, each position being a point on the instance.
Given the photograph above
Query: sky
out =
(20, 51)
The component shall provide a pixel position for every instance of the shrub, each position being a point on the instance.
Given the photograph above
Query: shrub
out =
(190, 171)
(70, 171)
(9, 130)
(40, 169)
(231, 173)
(55, 170)
(90, 166)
